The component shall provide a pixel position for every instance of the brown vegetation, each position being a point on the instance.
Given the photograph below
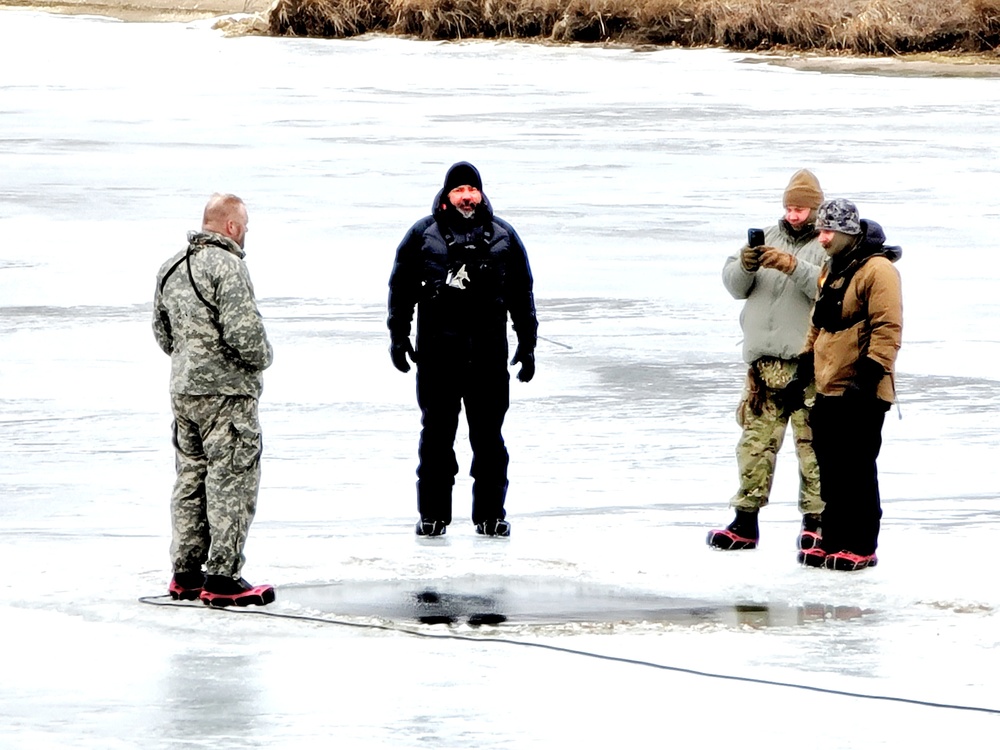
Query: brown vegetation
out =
(856, 26)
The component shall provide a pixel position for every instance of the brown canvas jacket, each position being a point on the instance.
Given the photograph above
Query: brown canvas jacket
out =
(874, 298)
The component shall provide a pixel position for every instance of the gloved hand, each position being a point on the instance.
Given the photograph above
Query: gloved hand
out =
(868, 374)
(750, 258)
(756, 391)
(398, 350)
(793, 396)
(779, 261)
(526, 357)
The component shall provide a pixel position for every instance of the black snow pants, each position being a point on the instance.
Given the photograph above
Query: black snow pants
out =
(847, 438)
(444, 383)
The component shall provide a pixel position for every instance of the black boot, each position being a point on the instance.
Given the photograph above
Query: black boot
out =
(496, 527)
(811, 533)
(430, 527)
(742, 533)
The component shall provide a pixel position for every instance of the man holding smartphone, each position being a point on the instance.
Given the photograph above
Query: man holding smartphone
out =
(776, 272)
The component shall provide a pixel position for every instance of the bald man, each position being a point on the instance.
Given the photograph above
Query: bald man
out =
(206, 318)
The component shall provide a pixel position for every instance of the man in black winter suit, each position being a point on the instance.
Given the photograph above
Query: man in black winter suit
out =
(464, 270)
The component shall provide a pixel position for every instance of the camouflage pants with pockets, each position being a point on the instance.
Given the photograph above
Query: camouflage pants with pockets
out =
(218, 447)
(764, 420)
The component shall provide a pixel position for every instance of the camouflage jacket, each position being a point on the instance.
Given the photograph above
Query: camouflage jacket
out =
(206, 319)
(775, 317)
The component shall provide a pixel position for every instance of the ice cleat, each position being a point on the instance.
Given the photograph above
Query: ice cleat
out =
(430, 528)
(186, 586)
(496, 527)
(728, 540)
(223, 591)
(811, 533)
(742, 533)
(812, 558)
(845, 560)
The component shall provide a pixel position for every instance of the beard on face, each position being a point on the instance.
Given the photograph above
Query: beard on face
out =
(838, 243)
(806, 227)
(466, 212)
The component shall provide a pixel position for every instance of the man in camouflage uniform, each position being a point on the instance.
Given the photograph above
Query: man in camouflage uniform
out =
(205, 317)
(778, 280)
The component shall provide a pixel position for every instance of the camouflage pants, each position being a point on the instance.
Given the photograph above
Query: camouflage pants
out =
(764, 421)
(218, 448)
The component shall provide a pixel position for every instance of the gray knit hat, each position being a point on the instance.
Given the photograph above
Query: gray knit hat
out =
(840, 215)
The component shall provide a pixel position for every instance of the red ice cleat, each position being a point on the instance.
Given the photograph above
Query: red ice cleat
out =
(809, 540)
(811, 534)
(223, 591)
(813, 558)
(845, 560)
(728, 540)
(742, 533)
(186, 586)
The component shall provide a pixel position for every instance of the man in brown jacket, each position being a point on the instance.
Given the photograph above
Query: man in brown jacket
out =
(853, 341)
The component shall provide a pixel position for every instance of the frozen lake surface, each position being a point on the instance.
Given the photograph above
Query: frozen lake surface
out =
(604, 619)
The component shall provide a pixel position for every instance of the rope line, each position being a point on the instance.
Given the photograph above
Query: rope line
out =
(159, 601)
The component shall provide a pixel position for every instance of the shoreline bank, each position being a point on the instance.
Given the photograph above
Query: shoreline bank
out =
(143, 11)
(244, 17)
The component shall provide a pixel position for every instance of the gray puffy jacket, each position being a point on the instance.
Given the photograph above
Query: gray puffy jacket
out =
(775, 318)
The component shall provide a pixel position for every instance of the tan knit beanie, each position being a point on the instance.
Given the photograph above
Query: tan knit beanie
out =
(803, 190)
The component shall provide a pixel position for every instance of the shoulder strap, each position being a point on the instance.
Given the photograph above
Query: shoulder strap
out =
(212, 308)
(168, 274)
(187, 259)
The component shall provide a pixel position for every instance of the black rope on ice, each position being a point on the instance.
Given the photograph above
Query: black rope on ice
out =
(165, 601)
(557, 343)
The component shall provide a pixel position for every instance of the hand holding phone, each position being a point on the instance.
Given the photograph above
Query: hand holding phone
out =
(750, 257)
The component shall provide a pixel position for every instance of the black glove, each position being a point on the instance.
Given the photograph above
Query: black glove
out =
(868, 374)
(793, 396)
(398, 350)
(526, 357)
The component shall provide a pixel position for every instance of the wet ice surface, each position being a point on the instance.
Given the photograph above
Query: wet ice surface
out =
(630, 177)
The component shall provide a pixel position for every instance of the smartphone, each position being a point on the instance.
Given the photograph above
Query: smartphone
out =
(755, 237)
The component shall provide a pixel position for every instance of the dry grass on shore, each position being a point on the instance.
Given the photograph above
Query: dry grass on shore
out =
(856, 26)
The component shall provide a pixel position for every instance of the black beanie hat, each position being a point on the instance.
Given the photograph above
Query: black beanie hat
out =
(460, 174)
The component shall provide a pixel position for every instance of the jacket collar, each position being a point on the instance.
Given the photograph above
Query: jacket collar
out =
(203, 238)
